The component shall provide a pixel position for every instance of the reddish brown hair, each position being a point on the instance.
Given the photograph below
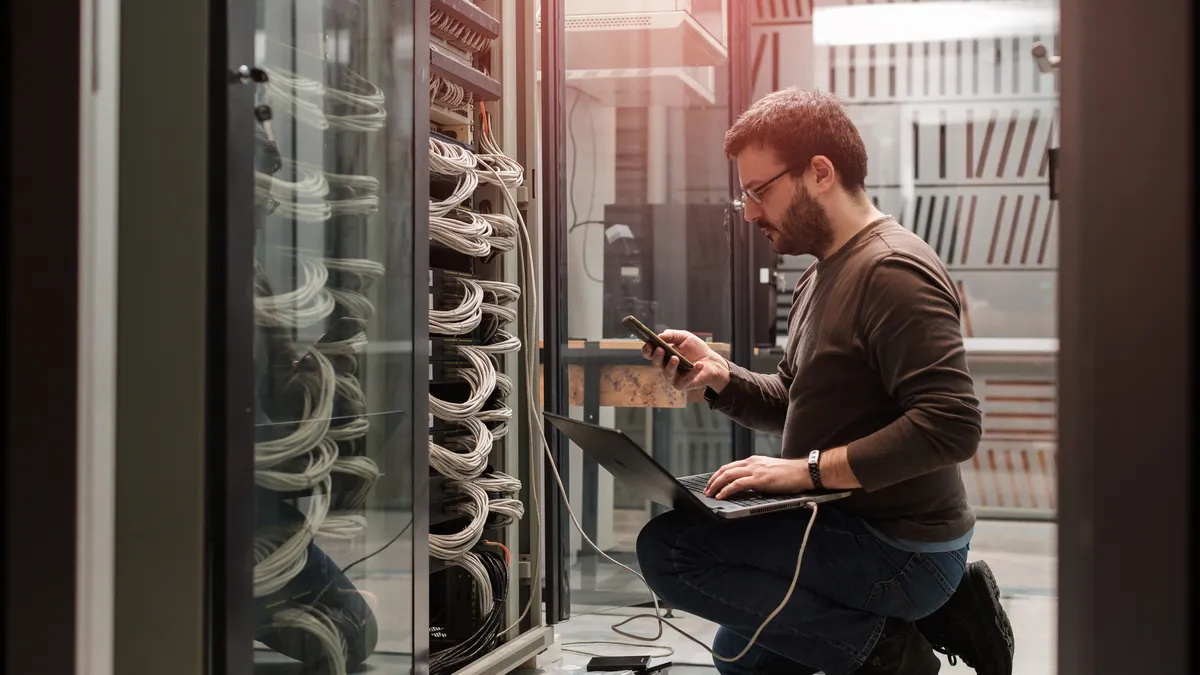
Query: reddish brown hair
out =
(799, 125)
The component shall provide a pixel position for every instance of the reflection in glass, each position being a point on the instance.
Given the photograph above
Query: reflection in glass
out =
(333, 357)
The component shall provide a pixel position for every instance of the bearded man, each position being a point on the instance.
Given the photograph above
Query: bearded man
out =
(872, 395)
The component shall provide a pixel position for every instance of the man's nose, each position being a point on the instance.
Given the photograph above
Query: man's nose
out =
(751, 211)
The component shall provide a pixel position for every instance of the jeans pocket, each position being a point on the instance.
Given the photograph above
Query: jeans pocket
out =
(890, 597)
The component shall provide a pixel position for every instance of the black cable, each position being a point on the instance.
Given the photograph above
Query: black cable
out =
(449, 660)
(365, 558)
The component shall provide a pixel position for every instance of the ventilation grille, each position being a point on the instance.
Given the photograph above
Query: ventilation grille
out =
(603, 22)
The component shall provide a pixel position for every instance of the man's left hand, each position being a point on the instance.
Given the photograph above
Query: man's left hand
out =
(770, 475)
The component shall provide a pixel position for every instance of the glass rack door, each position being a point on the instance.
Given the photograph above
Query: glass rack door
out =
(333, 261)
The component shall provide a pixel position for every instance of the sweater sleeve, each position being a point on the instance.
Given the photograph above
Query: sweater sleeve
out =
(912, 334)
(756, 400)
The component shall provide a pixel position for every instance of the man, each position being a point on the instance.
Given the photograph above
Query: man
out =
(875, 380)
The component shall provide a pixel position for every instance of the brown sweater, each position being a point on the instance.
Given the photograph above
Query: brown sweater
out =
(875, 360)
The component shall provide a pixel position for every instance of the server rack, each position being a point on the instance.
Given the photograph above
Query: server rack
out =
(376, 470)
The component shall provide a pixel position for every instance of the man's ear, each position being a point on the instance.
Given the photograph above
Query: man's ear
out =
(823, 173)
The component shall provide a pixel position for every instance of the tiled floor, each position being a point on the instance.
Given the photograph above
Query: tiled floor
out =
(1022, 555)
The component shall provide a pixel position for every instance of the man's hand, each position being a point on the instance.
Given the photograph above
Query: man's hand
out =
(709, 368)
(769, 475)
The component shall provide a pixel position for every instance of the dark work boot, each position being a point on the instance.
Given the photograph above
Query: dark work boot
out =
(901, 650)
(972, 625)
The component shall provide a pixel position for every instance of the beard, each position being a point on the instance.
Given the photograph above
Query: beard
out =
(804, 228)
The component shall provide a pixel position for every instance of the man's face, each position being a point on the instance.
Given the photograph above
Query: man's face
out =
(789, 215)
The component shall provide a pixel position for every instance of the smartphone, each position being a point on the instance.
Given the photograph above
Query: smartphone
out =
(651, 338)
(613, 664)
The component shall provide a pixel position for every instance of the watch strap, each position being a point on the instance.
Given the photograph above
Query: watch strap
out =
(814, 469)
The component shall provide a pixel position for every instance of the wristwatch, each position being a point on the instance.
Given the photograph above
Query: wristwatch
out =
(814, 469)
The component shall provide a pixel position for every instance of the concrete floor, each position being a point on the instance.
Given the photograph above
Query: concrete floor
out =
(1022, 555)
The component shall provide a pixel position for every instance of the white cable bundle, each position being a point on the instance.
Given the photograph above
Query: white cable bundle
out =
(499, 483)
(456, 545)
(504, 315)
(311, 185)
(366, 272)
(346, 526)
(494, 167)
(504, 231)
(288, 93)
(363, 468)
(505, 510)
(449, 95)
(351, 346)
(502, 290)
(305, 306)
(450, 159)
(372, 104)
(481, 376)
(304, 99)
(361, 185)
(317, 410)
(364, 190)
(315, 622)
(503, 343)
(354, 303)
(275, 562)
(467, 456)
(462, 319)
(456, 33)
(320, 463)
(471, 238)
(471, 563)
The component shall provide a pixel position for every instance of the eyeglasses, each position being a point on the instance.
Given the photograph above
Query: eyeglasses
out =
(755, 194)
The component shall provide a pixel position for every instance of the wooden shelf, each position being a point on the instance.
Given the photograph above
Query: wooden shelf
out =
(470, 16)
(483, 87)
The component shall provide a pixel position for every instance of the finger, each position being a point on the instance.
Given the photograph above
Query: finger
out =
(674, 337)
(738, 486)
(672, 369)
(647, 351)
(657, 357)
(692, 378)
(724, 475)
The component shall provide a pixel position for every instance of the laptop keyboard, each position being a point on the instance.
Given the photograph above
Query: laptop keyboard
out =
(697, 484)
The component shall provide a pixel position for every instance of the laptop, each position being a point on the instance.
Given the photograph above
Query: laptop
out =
(632, 466)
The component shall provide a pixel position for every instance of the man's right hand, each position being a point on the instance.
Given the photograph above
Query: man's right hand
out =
(710, 369)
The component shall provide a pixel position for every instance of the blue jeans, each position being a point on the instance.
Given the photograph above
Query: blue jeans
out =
(735, 573)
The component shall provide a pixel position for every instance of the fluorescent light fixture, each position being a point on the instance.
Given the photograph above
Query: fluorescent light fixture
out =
(932, 21)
